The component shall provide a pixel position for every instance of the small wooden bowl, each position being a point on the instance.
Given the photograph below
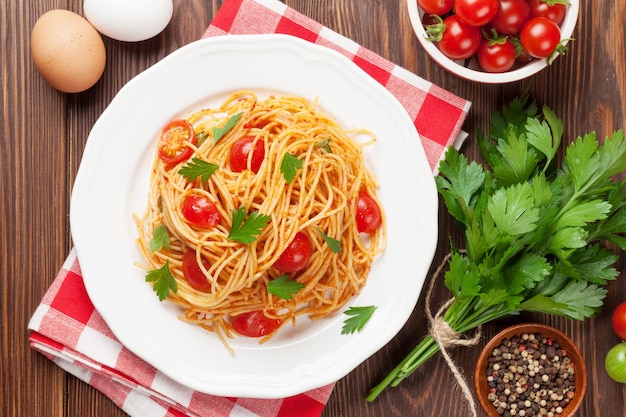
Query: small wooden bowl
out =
(580, 378)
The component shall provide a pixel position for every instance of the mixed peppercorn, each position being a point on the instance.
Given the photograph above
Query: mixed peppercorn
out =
(530, 375)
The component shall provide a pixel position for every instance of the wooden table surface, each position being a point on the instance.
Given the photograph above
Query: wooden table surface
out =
(44, 134)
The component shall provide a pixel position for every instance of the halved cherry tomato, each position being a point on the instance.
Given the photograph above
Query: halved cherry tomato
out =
(368, 215)
(552, 9)
(240, 151)
(476, 12)
(173, 147)
(511, 17)
(255, 324)
(200, 211)
(296, 255)
(540, 37)
(192, 272)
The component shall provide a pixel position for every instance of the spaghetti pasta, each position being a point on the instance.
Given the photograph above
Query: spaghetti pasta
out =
(315, 196)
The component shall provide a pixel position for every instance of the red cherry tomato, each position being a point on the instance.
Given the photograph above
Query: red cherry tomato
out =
(429, 19)
(552, 9)
(173, 146)
(496, 57)
(540, 37)
(459, 40)
(296, 255)
(438, 7)
(192, 272)
(368, 215)
(200, 211)
(618, 320)
(511, 17)
(476, 12)
(255, 324)
(523, 57)
(240, 152)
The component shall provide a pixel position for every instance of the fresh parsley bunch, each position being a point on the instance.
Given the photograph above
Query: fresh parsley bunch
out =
(534, 233)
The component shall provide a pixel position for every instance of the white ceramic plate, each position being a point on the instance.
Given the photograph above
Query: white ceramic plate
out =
(112, 184)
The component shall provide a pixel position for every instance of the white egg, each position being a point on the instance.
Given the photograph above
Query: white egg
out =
(129, 20)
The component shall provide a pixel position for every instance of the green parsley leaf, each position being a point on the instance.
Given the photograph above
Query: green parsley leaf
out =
(201, 137)
(324, 144)
(481, 237)
(615, 222)
(198, 168)
(289, 167)
(162, 281)
(546, 135)
(513, 115)
(359, 317)
(462, 284)
(513, 211)
(218, 132)
(581, 160)
(333, 244)
(459, 183)
(565, 240)
(160, 239)
(577, 300)
(247, 230)
(518, 160)
(284, 287)
(583, 213)
(592, 264)
(530, 269)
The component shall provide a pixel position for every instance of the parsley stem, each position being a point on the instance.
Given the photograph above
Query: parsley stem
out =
(424, 350)
(462, 316)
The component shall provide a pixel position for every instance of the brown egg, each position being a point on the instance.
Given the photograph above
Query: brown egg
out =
(67, 51)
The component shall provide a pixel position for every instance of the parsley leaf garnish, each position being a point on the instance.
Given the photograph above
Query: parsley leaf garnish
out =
(218, 132)
(359, 317)
(160, 239)
(333, 244)
(284, 287)
(247, 230)
(324, 144)
(198, 168)
(162, 281)
(289, 167)
(201, 137)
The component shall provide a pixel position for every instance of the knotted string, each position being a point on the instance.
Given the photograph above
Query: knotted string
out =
(446, 337)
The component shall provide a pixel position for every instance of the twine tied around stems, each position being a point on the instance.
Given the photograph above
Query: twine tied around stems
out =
(447, 337)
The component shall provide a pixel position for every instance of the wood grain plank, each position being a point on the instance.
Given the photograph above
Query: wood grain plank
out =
(33, 195)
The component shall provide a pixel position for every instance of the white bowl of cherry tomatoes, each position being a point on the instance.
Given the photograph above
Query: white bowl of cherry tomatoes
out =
(494, 41)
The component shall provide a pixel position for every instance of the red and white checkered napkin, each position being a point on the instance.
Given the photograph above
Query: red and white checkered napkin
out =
(437, 113)
(67, 328)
